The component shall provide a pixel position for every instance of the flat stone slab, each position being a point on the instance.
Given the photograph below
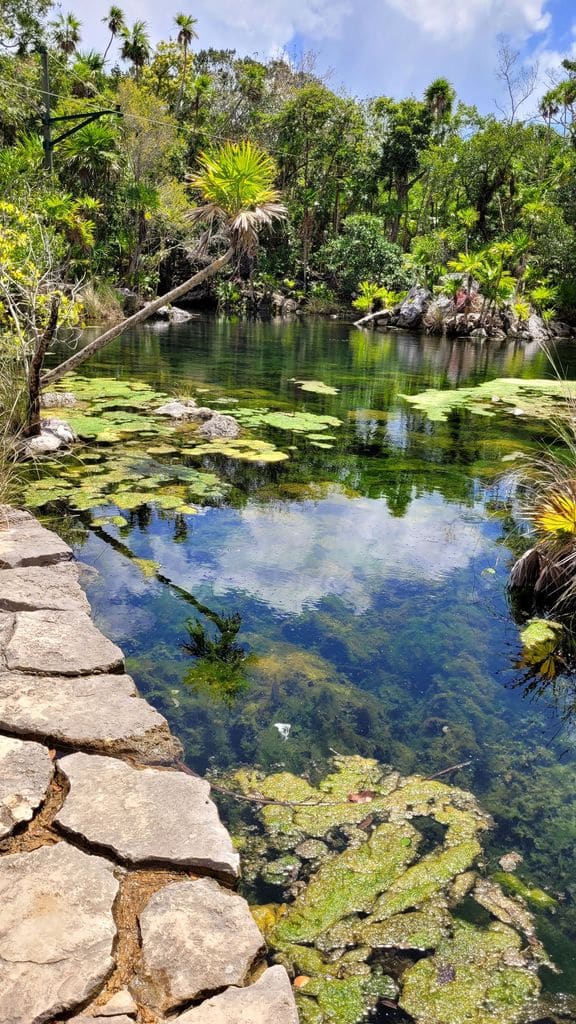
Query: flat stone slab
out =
(56, 931)
(120, 1003)
(60, 643)
(269, 1001)
(35, 587)
(26, 770)
(197, 938)
(23, 541)
(103, 713)
(146, 815)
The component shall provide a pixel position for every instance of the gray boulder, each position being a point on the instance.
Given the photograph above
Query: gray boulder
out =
(414, 307)
(537, 329)
(54, 434)
(26, 770)
(60, 643)
(58, 400)
(219, 426)
(179, 409)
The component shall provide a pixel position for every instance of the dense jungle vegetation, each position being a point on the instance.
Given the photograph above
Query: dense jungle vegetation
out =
(382, 193)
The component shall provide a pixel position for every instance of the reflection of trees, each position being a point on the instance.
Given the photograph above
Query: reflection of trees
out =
(219, 668)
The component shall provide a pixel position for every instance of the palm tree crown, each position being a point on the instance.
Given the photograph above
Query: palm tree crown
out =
(66, 32)
(116, 24)
(186, 30)
(237, 184)
(136, 45)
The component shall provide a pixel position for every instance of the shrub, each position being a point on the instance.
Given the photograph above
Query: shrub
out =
(360, 253)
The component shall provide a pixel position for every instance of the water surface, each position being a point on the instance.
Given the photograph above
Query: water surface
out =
(369, 577)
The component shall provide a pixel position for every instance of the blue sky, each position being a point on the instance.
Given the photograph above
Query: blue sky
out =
(372, 47)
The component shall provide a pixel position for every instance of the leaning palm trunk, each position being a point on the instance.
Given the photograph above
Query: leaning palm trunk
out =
(137, 318)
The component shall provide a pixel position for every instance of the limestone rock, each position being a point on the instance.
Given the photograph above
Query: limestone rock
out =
(103, 713)
(120, 1003)
(218, 426)
(178, 409)
(26, 771)
(24, 542)
(58, 400)
(120, 1018)
(268, 1001)
(196, 938)
(54, 434)
(145, 816)
(414, 307)
(7, 621)
(60, 643)
(32, 588)
(56, 931)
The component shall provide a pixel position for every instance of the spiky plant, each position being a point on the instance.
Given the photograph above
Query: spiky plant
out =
(237, 185)
(547, 571)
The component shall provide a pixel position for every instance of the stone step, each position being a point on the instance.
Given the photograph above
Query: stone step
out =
(145, 816)
(103, 713)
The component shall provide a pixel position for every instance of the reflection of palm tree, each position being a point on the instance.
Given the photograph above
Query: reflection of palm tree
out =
(236, 183)
(116, 25)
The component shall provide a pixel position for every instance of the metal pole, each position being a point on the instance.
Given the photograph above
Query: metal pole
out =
(46, 121)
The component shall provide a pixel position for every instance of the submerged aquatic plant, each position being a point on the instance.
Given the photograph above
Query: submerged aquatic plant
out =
(219, 670)
(389, 904)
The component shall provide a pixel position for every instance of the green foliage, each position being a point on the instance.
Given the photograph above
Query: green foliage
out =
(372, 296)
(360, 253)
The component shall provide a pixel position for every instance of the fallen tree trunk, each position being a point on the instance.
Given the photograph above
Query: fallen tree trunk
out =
(137, 318)
(371, 317)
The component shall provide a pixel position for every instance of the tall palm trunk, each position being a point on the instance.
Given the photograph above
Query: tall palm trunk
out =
(143, 314)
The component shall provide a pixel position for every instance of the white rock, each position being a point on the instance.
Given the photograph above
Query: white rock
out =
(103, 713)
(26, 770)
(60, 643)
(34, 587)
(145, 816)
(56, 931)
(197, 938)
(269, 1001)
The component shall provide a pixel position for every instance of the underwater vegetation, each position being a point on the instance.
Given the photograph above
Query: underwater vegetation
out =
(387, 898)
(219, 666)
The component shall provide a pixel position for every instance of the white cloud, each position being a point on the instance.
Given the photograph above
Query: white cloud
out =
(293, 555)
(446, 19)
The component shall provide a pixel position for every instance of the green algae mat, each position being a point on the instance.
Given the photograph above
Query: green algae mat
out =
(391, 902)
(540, 399)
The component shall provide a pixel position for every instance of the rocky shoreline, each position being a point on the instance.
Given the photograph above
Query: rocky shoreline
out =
(116, 873)
(464, 316)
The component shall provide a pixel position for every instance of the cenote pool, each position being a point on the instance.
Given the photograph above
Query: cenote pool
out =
(368, 571)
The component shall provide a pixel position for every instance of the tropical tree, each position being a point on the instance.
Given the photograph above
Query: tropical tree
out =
(66, 33)
(116, 25)
(186, 33)
(136, 46)
(236, 186)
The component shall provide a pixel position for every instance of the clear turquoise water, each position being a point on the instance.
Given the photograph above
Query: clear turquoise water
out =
(370, 580)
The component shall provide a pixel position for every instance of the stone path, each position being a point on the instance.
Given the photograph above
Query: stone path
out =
(104, 919)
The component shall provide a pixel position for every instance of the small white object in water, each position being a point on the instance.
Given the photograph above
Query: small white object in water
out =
(283, 729)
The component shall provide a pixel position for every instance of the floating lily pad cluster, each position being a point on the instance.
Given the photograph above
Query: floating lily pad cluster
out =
(540, 399)
(317, 387)
(392, 905)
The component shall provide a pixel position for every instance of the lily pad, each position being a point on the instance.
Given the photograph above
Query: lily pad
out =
(317, 387)
(540, 399)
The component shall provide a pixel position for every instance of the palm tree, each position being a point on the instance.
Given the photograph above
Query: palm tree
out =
(67, 33)
(236, 184)
(116, 25)
(136, 46)
(186, 33)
